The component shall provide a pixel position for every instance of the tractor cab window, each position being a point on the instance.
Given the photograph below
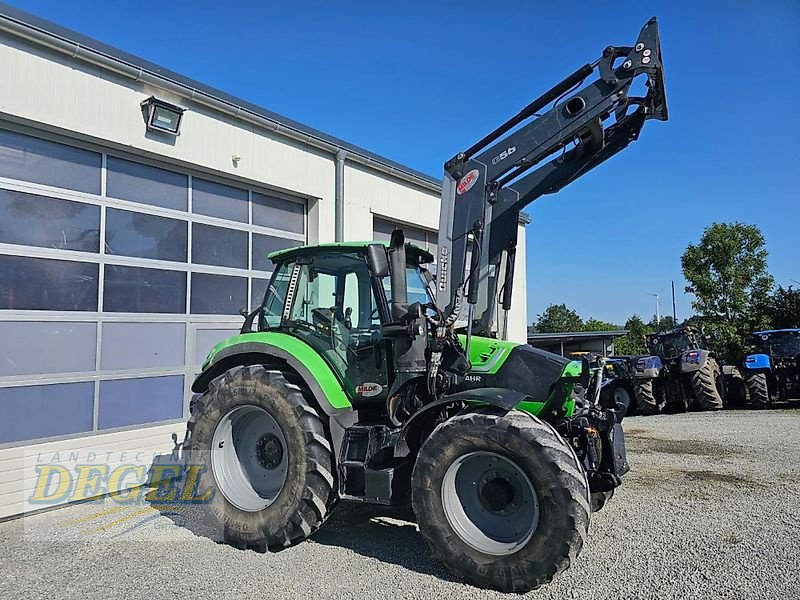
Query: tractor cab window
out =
(334, 310)
(779, 343)
(275, 297)
(671, 346)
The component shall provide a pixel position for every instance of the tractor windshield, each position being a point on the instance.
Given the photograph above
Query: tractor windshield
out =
(670, 346)
(779, 343)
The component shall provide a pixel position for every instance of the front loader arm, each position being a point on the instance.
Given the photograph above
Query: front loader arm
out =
(486, 186)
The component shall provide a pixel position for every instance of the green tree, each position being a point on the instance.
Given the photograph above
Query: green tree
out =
(667, 322)
(558, 318)
(727, 270)
(727, 273)
(781, 310)
(592, 324)
(632, 343)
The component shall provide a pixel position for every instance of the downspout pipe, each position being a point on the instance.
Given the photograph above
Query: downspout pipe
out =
(338, 198)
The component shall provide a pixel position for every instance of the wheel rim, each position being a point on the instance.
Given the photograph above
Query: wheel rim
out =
(621, 396)
(490, 503)
(249, 458)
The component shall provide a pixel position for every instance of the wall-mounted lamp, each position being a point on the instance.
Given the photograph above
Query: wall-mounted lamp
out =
(162, 116)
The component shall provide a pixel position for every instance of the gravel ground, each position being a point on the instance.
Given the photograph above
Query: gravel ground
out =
(708, 511)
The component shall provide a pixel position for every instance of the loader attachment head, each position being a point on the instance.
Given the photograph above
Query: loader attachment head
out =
(560, 136)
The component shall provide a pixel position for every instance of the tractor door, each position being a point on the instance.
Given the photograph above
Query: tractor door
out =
(334, 309)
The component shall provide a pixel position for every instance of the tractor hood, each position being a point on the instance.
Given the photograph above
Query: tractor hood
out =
(523, 368)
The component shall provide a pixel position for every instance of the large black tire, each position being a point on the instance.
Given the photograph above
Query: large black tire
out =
(735, 391)
(759, 390)
(306, 494)
(546, 465)
(647, 401)
(706, 385)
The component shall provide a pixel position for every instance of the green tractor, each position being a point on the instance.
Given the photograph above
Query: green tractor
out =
(357, 380)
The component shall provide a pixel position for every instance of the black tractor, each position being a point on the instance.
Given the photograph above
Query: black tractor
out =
(681, 373)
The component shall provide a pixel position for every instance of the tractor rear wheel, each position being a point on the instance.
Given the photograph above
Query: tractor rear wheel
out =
(759, 391)
(501, 499)
(647, 402)
(707, 386)
(735, 388)
(264, 455)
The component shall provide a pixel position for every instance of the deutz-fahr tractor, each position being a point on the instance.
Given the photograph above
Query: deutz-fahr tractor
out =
(680, 373)
(772, 371)
(353, 381)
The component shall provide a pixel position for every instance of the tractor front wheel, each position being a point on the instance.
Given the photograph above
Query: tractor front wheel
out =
(263, 455)
(707, 386)
(501, 499)
(759, 390)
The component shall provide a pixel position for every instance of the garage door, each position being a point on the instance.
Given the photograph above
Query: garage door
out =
(113, 272)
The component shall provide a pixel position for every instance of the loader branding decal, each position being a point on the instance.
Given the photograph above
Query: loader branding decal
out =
(504, 154)
(442, 274)
(368, 390)
(467, 181)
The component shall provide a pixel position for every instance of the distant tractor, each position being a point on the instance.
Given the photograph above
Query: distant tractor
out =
(680, 373)
(772, 371)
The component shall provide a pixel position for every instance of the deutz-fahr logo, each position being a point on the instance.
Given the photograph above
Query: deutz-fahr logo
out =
(467, 181)
(368, 390)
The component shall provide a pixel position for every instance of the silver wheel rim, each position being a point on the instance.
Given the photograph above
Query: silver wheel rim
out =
(621, 396)
(249, 458)
(490, 503)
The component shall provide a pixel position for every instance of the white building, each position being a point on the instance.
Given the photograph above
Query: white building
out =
(126, 253)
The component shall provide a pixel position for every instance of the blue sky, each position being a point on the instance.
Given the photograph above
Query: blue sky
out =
(419, 81)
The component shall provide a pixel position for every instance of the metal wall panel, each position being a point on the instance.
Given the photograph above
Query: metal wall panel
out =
(30, 347)
(142, 345)
(41, 411)
(125, 402)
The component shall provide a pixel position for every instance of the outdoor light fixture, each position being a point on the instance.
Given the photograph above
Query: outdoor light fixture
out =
(162, 116)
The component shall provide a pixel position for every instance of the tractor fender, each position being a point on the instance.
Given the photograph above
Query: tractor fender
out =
(756, 362)
(694, 360)
(328, 395)
(322, 382)
(503, 398)
(647, 367)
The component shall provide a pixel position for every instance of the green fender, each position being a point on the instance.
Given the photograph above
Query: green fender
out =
(316, 373)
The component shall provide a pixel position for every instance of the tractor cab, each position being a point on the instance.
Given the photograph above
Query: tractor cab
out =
(778, 343)
(328, 297)
(672, 344)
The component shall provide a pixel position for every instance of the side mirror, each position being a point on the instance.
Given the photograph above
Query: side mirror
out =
(247, 326)
(377, 261)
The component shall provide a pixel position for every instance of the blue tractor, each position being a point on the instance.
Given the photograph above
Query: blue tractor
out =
(772, 371)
